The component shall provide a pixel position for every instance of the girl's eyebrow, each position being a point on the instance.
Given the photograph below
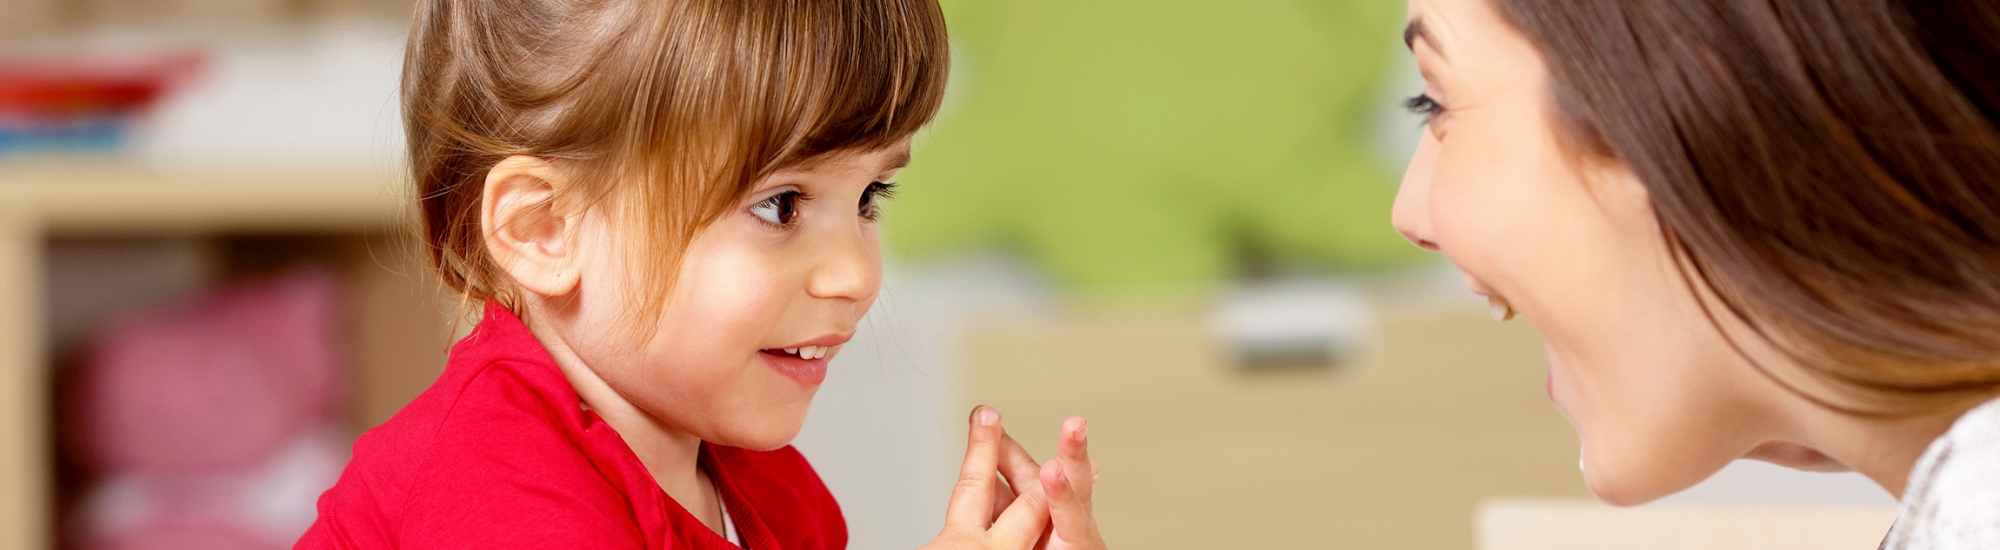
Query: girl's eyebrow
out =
(899, 162)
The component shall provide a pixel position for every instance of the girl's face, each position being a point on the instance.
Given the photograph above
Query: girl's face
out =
(1656, 394)
(766, 296)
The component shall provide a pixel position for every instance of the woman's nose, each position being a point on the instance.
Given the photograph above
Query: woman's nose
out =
(1412, 213)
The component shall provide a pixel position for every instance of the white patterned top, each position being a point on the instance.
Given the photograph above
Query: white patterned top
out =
(1953, 499)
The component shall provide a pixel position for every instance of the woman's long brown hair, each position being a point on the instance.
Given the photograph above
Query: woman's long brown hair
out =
(1829, 168)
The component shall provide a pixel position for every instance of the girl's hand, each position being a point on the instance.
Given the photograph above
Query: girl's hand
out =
(984, 515)
(1066, 483)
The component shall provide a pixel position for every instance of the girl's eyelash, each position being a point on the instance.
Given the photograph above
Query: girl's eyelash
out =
(871, 200)
(1423, 105)
(783, 208)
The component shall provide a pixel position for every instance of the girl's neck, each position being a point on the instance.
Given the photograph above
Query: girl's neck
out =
(671, 455)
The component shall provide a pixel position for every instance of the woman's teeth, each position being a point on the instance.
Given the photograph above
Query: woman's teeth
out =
(809, 352)
(1502, 311)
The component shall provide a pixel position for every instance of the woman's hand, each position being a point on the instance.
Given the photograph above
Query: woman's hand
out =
(1066, 484)
(984, 514)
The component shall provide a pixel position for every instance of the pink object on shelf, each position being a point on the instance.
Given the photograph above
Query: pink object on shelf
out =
(216, 385)
(192, 536)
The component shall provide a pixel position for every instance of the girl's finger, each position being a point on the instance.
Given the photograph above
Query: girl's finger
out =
(972, 498)
(1020, 468)
(1022, 523)
(1073, 451)
(1003, 496)
(1067, 511)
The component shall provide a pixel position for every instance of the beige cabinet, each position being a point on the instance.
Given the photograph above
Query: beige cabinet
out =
(350, 221)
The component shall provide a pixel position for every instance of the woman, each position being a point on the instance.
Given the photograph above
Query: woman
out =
(1746, 229)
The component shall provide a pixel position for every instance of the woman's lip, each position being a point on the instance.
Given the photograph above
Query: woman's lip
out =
(808, 372)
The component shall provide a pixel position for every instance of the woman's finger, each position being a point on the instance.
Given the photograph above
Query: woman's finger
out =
(1073, 451)
(972, 498)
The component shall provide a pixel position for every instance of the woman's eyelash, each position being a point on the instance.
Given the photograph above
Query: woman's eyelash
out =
(1424, 106)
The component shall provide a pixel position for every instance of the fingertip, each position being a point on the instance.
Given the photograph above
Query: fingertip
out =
(1054, 481)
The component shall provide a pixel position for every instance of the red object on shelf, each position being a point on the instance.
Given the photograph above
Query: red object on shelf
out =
(59, 88)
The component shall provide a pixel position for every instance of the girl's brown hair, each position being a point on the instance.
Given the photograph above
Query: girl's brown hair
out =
(1830, 168)
(671, 109)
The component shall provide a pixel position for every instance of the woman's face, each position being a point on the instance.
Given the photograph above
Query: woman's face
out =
(1656, 394)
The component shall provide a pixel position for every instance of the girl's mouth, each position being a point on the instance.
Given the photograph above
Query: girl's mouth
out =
(807, 365)
(808, 352)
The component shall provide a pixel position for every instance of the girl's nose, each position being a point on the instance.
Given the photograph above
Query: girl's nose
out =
(849, 268)
(1412, 212)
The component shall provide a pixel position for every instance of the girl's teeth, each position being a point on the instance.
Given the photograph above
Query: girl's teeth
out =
(1502, 311)
(809, 352)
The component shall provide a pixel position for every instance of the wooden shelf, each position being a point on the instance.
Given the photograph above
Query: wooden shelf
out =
(69, 197)
(46, 199)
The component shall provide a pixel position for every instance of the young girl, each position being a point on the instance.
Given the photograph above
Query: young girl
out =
(669, 210)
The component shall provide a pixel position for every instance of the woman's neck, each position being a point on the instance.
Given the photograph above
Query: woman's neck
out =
(1884, 449)
(671, 455)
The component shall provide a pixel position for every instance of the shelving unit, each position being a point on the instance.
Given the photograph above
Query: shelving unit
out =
(398, 328)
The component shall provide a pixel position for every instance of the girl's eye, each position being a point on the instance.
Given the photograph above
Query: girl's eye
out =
(871, 199)
(781, 210)
(1423, 105)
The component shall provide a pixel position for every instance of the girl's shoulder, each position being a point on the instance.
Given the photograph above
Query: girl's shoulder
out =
(782, 494)
(495, 454)
(1952, 500)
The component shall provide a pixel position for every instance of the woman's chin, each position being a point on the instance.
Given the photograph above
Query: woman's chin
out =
(1633, 481)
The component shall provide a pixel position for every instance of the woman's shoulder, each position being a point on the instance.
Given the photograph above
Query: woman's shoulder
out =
(1952, 500)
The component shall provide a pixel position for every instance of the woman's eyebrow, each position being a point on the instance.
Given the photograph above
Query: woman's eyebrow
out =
(1416, 30)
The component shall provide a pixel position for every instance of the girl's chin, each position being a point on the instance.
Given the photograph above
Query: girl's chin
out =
(768, 434)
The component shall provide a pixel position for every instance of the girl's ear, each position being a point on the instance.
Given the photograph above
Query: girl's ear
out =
(525, 227)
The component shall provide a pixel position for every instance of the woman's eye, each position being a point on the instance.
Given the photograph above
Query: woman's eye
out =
(781, 210)
(1424, 106)
(871, 199)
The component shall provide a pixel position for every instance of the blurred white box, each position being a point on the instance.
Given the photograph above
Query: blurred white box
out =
(1586, 524)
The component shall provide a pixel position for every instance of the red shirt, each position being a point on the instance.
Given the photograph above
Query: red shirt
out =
(500, 454)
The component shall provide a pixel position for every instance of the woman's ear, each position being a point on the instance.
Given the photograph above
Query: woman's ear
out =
(526, 229)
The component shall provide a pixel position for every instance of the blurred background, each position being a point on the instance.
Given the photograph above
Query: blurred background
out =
(1168, 216)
